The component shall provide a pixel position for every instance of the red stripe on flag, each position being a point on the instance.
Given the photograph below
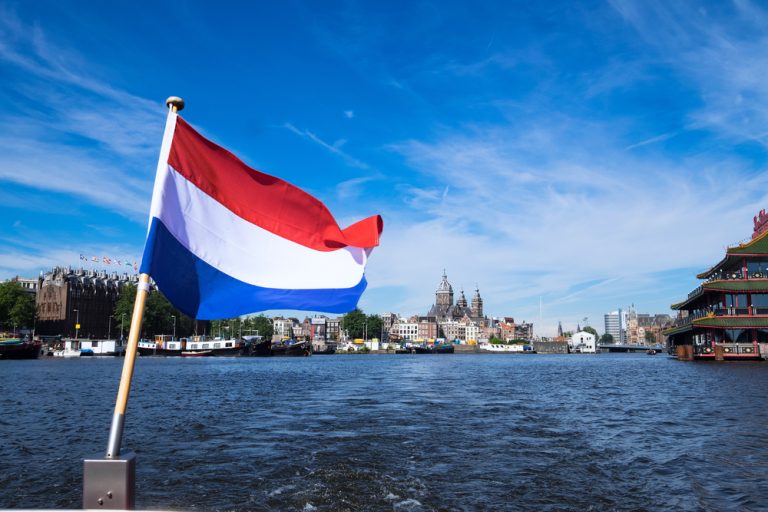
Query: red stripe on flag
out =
(264, 200)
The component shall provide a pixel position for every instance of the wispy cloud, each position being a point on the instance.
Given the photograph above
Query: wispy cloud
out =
(722, 49)
(334, 148)
(652, 140)
(67, 136)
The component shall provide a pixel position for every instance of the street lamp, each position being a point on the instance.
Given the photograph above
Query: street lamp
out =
(77, 323)
(174, 327)
(122, 318)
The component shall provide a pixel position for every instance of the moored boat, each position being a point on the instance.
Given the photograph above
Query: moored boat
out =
(291, 348)
(19, 349)
(257, 346)
(197, 353)
(67, 348)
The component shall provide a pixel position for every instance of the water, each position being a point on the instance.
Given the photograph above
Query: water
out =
(405, 432)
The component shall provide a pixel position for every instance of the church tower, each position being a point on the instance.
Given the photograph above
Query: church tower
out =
(444, 293)
(477, 304)
(462, 302)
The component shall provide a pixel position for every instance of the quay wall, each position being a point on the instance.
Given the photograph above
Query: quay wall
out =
(550, 347)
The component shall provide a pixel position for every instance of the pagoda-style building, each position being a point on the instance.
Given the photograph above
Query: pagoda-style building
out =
(726, 317)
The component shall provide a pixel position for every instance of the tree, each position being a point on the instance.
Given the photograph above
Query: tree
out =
(494, 340)
(592, 331)
(606, 339)
(374, 326)
(354, 323)
(650, 337)
(17, 307)
(158, 313)
(259, 323)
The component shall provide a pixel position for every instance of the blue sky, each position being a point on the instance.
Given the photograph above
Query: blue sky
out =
(567, 159)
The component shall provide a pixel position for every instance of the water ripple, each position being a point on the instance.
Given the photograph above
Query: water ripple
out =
(462, 432)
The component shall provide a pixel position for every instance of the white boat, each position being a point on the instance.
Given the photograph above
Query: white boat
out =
(71, 348)
(80, 348)
(500, 348)
(103, 348)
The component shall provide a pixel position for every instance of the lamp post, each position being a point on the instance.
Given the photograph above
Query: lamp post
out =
(77, 323)
(174, 327)
(109, 329)
(122, 319)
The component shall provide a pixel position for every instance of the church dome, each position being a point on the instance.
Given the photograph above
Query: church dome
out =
(444, 285)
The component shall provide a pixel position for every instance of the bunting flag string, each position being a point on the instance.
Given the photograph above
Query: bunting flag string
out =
(106, 260)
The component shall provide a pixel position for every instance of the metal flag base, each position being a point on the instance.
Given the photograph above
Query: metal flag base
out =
(110, 484)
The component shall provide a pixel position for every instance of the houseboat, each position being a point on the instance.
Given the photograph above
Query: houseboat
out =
(726, 317)
(165, 345)
(162, 345)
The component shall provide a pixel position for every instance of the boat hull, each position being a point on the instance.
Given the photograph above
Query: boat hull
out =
(301, 348)
(21, 350)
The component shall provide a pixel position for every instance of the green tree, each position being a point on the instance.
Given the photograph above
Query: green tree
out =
(158, 314)
(592, 331)
(374, 326)
(259, 323)
(17, 307)
(354, 323)
(495, 340)
(650, 337)
(606, 339)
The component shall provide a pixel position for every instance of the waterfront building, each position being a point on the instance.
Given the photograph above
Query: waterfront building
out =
(427, 328)
(67, 297)
(646, 329)
(333, 328)
(583, 342)
(445, 310)
(281, 328)
(726, 317)
(615, 323)
(29, 285)
(405, 329)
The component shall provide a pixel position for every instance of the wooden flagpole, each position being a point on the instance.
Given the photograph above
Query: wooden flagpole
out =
(118, 418)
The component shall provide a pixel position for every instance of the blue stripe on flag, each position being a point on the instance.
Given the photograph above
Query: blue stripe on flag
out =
(204, 292)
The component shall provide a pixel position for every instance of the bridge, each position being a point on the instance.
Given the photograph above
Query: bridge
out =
(627, 347)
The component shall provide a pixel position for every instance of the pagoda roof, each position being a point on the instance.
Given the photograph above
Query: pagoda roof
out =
(721, 322)
(758, 246)
(733, 322)
(735, 285)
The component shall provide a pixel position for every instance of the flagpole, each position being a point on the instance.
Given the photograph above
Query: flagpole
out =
(109, 482)
(175, 104)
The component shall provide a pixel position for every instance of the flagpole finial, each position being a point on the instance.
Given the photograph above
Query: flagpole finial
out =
(175, 103)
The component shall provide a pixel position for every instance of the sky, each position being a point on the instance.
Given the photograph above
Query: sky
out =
(567, 158)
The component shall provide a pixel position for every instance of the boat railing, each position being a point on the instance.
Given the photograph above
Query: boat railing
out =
(713, 312)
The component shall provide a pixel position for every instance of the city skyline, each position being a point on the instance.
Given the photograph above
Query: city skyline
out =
(568, 160)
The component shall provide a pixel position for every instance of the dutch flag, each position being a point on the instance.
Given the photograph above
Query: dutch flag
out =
(226, 240)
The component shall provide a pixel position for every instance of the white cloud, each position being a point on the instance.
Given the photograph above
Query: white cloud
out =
(334, 148)
(118, 133)
(349, 114)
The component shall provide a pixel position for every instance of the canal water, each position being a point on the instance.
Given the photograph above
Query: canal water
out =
(400, 432)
